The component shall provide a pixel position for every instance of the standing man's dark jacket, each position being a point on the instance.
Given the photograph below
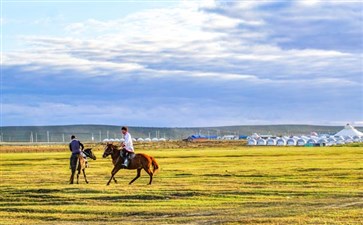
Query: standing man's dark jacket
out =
(76, 146)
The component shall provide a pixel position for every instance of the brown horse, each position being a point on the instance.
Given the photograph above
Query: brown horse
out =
(139, 162)
(80, 165)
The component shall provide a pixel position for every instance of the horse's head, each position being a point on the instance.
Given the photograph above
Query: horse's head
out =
(88, 152)
(108, 150)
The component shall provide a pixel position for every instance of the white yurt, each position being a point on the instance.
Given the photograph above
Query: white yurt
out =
(323, 141)
(291, 142)
(271, 142)
(255, 136)
(340, 142)
(349, 130)
(356, 139)
(140, 139)
(281, 142)
(117, 140)
(261, 141)
(106, 140)
(332, 139)
(311, 141)
(252, 142)
(112, 140)
(147, 139)
(301, 142)
(155, 139)
(162, 139)
(348, 137)
(339, 138)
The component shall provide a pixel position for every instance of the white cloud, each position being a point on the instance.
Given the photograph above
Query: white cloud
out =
(210, 45)
(314, 3)
(309, 2)
(52, 62)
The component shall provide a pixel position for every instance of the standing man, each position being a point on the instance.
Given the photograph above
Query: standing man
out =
(127, 146)
(75, 146)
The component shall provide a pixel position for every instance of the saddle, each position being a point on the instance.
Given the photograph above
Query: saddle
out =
(128, 159)
(130, 155)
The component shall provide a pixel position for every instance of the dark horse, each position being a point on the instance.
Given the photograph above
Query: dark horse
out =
(81, 165)
(139, 162)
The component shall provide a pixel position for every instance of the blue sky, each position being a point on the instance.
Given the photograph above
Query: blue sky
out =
(182, 63)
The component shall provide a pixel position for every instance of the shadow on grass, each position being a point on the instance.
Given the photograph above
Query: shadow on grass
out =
(166, 196)
(87, 215)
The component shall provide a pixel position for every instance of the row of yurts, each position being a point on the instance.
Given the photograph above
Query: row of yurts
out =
(134, 139)
(348, 135)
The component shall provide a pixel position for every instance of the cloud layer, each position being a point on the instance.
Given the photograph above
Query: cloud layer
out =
(205, 64)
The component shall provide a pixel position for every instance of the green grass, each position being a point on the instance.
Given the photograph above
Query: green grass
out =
(240, 185)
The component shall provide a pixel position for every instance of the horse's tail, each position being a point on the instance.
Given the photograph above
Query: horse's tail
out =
(154, 164)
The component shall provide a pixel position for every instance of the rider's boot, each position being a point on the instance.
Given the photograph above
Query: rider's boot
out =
(126, 162)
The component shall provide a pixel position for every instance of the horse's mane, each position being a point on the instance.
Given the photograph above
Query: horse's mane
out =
(114, 146)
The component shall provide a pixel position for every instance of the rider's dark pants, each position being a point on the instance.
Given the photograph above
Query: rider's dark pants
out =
(125, 154)
(73, 162)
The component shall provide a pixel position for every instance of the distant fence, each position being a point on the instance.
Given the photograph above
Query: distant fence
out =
(59, 137)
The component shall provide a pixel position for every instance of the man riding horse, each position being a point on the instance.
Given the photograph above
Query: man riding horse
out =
(76, 147)
(78, 160)
(127, 147)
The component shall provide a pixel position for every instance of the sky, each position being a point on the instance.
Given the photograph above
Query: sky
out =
(181, 63)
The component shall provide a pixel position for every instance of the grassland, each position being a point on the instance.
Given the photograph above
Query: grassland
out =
(229, 185)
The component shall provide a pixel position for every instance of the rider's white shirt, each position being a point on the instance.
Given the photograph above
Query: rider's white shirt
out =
(128, 143)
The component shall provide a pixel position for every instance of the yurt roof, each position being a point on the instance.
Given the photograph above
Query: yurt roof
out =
(349, 130)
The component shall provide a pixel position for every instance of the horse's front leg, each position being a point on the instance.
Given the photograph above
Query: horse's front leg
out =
(79, 171)
(114, 171)
(114, 179)
(85, 177)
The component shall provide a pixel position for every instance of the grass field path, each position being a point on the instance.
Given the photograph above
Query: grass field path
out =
(237, 185)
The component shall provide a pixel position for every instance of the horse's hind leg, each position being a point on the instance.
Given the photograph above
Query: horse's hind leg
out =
(137, 176)
(114, 179)
(79, 171)
(148, 171)
(85, 177)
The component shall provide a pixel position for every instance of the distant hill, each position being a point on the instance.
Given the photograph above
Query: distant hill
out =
(100, 132)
